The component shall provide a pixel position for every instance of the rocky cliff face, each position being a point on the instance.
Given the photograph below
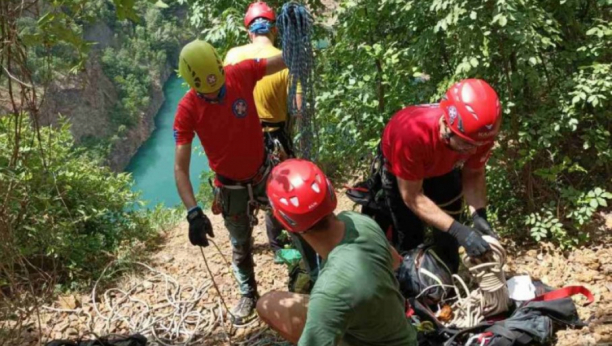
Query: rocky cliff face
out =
(85, 99)
(123, 150)
(88, 98)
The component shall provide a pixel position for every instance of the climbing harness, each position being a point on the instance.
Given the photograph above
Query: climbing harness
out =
(254, 204)
(295, 25)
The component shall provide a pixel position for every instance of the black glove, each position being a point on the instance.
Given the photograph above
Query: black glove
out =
(480, 223)
(199, 227)
(469, 238)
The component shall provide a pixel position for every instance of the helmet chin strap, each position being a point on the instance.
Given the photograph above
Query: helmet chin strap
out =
(217, 99)
(445, 132)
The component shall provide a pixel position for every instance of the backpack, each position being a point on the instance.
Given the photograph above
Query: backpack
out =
(424, 276)
(531, 323)
(114, 340)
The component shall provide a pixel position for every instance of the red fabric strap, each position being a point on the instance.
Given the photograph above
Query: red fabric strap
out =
(409, 309)
(356, 188)
(566, 292)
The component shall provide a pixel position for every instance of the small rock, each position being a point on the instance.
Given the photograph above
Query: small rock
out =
(147, 284)
(166, 258)
(586, 276)
(72, 331)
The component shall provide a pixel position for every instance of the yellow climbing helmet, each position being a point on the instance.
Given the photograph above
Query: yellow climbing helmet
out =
(200, 66)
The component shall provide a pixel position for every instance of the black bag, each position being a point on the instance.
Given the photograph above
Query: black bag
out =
(533, 322)
(111, 340)
(370, 196)
(424, 275)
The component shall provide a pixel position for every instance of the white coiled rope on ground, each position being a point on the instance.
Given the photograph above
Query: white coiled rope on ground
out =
(172, 317)
(491, 297)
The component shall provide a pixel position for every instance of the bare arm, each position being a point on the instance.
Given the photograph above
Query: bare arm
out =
(298, 101)
(182, 159)
(474, 188)
(275, 64)
(422, 206)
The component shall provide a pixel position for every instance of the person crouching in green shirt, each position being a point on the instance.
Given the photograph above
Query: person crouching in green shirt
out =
(356, 300)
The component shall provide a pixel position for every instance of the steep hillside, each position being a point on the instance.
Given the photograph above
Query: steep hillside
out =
(112, 101)
(88, 99)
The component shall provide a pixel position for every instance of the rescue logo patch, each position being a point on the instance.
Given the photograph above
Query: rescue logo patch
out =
(452, 114)
(211, 79)
(239, 107)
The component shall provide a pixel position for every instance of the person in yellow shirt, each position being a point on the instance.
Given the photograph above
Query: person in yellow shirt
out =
(270, 93)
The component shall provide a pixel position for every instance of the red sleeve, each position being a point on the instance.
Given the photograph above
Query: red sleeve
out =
(480, 158)
(184, 129)
(403, 150)
(407, 162)
(252, 70)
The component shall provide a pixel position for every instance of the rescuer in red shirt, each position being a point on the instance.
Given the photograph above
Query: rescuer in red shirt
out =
(435, 158)
(220, 110)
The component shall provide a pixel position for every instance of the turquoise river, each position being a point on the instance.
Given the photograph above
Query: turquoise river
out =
(153, 165)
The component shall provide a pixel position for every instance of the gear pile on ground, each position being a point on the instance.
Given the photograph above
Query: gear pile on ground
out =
(591, 267)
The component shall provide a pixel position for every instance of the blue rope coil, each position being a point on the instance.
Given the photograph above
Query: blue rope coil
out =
(295, 25)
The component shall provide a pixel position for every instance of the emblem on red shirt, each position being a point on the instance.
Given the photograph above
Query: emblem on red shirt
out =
(239, 108)
(211, 79)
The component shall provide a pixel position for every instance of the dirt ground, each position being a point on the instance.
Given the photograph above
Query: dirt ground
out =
(591, 267)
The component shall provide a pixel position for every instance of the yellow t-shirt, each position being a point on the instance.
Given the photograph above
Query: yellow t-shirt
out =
(271, 92)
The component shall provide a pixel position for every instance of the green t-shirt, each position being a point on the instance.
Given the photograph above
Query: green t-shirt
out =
(356, 298)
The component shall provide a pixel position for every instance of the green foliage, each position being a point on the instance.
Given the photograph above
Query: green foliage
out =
(549, 62)
(148, 37)
(221, 22)
(143, 56)
(163, 218)
(65, 210)
(205, 194)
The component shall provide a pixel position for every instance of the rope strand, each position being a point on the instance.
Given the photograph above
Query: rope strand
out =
(491, 297)
(296, 29)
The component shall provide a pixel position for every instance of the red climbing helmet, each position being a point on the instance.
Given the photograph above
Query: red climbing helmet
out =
(300, 194)
(256, 10)
(472, 111)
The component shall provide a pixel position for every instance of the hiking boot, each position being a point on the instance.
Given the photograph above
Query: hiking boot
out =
(244, 311)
